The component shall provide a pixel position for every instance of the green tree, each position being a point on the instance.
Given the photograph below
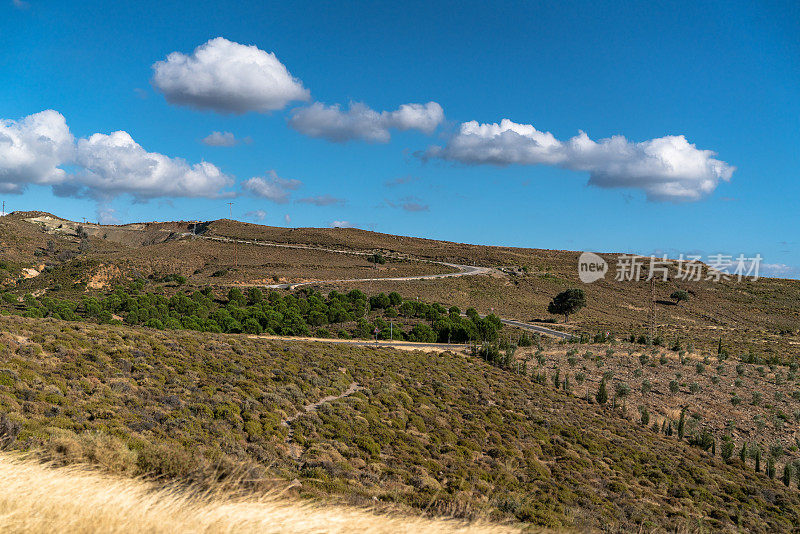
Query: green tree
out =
(621, 390)
(254, 296)
(236, 297)
(679, 295)
(602, 393)
(771, 467)
(376, 258)
(567, 302)
(727, 448)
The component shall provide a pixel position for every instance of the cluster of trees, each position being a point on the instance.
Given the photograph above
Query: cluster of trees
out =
(254, 312)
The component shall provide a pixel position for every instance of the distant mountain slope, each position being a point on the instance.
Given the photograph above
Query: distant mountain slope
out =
(761, 316)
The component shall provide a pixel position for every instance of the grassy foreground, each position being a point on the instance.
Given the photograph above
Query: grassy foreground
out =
(37, 499)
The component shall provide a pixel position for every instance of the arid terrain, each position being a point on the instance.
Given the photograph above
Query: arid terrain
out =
(160, 350)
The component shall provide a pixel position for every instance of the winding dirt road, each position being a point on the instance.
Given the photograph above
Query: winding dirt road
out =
(461, 270)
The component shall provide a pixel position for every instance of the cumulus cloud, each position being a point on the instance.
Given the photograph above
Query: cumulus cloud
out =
(220, 139)
(227, 77)
(114, 164)
(322, 200)
(341, 224)
(360, 122)
(256, 215)
(35, 150)
(272, 187)
(666, 168)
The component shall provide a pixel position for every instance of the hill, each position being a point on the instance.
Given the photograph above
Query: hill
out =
(699, 426)
(760, 316)
(438, 432)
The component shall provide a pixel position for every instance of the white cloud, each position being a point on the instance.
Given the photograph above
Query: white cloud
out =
(115, 164)
(35, 150)
(341, 224)
(287, 219)
(360, 122)
(779, 270)
(422, 117)
(666, 168)
(107, 215)
(32, 149)
(220, 139)
(227, 77)
(271, 187)
(323, 200)
(256, 215)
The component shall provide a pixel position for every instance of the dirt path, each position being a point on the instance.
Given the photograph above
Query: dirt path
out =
(295, 450)
(383, 343)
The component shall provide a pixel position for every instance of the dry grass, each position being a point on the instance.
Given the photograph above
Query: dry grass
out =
(35, 498)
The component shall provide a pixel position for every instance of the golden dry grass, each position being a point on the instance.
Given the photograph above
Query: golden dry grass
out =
(35, 498)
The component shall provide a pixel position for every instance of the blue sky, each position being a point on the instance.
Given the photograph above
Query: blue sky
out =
(725, 75)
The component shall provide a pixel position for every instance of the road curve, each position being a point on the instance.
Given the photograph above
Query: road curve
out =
(461, 270)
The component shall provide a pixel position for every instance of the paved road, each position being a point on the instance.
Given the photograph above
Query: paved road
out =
(536, 328)
(461, 270)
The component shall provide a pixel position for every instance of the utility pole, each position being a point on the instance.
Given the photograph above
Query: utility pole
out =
(235, 262)
(652, 308)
